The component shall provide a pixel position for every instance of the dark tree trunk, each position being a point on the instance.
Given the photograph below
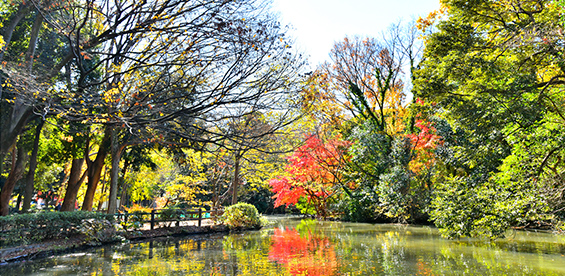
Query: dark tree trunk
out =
(124, 185)
(12, 126)
(95, 171)
(75, 180)
(15, 174)
(114, 172)
(33, 41)
(18, 202)
(101, 199)
(235, 184)
(2, 157)
(28, 194)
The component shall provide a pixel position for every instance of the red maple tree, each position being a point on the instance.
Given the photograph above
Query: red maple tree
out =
(313, 171)
(424, 143)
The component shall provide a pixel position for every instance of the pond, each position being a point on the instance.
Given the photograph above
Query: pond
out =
(309, 247)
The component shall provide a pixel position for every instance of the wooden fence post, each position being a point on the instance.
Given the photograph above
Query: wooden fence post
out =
(177, 216)
(152, 219)
(199, 217)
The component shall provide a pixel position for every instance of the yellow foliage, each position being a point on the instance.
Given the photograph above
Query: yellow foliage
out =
(169, 180)
(137, 208)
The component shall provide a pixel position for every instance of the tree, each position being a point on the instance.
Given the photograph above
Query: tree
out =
(314, 173)
(170, 179)
(154, 66)
(363, 78)
(366, 77)
(19, 157)
(494, 70)
(30, 177)
(253, 133)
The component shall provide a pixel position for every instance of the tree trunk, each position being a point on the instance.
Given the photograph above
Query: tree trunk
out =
(33, 41)
(101, 200)
(12, 126)
(28, 194)
(125, 185)
(8, 32)
(73, 185)
(15, 175)
(95, 171)
(114, 172)
(2, 157)
(235, 179)
(18, 202)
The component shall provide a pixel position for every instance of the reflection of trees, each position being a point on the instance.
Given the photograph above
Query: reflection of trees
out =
(315, 248)
(303, 255)
(248, 255)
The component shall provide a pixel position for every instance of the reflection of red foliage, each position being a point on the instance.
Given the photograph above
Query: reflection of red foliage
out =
(303, 255)
(423, 268)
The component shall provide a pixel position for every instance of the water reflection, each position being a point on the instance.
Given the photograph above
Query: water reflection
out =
(303, 254)
(309, 247)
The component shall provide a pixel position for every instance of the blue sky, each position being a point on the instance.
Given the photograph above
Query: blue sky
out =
(319, 23)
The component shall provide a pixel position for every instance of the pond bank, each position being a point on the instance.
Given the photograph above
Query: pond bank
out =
(80, 242)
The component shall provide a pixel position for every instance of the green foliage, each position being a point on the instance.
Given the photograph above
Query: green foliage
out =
(386, 188)
(242, 216)
(136, 220)
(27, 228)
(495, 74)
(171, 178)
(306, 207)
(261, 197)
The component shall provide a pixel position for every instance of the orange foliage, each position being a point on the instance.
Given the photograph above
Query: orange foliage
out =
(375, 70)
(320, 103)
(314, 169)
(424, 144)
(424, 23)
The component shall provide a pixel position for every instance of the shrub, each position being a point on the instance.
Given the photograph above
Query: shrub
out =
(98, 231)
(242, 216)
(27, 228)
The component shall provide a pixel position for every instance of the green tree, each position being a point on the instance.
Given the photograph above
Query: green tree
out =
(494, 71)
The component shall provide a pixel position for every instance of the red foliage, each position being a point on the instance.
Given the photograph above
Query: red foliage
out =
(313, 170)
(285, 192)
(424, 143)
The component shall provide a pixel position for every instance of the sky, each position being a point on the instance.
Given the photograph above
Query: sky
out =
(318, 24)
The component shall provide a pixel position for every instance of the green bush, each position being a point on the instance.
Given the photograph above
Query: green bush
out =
(37, 227)
(242, 216)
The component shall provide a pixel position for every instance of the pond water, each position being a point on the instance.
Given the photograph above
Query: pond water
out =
(309, 247)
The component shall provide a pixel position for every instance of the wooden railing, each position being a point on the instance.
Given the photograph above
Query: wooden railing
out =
(158, 216)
